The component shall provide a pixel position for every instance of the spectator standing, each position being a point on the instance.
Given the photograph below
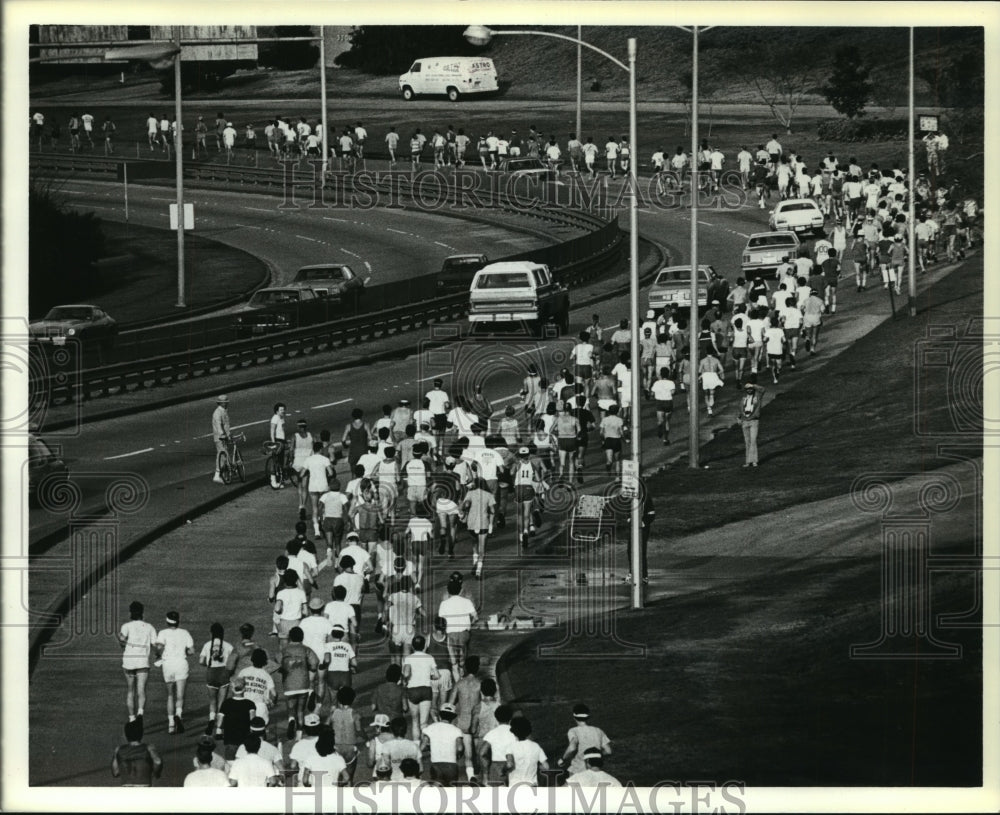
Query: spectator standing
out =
(748, 417)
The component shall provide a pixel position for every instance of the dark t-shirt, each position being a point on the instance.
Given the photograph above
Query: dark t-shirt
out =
(237, 714)
(388, 699)
(830, 269)
(586, 420)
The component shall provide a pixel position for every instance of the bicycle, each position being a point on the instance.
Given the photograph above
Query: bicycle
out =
(275, 466)
(230, 460)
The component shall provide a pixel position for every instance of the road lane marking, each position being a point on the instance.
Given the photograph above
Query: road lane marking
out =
(307, 238)
(426, 378)
(246, 226)
(368, 266)
(237, 427)
(338, 220)
(705, 223)
(446, 246)
(349, 252)
(397, 231)
(133, 453)
(259, 209)
(330, 404)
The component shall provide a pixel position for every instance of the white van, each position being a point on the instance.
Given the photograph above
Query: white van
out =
(453, 76)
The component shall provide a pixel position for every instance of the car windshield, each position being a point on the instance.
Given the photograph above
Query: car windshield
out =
(266, 298)
(758, 241)
(461, 263)
(503, 280)
(672, 276)
(326, 273)
(69, 313)
(796, 207)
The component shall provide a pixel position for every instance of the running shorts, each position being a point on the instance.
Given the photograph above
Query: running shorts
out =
(175, 670)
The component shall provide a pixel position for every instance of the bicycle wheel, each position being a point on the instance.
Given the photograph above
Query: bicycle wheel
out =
(271, 472)
(225, 470)
(241, 470)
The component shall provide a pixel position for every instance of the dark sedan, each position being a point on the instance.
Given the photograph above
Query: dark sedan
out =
(86, 323)
(335, 281)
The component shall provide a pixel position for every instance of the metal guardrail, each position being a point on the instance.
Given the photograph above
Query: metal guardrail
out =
(573, 262)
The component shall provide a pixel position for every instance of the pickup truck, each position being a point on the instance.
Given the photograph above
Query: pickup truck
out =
(514, 292)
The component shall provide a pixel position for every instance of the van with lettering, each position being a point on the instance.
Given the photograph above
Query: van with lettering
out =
(449, 76)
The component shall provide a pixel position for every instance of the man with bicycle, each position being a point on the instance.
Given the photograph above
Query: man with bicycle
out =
(220, 432)
(279, 445)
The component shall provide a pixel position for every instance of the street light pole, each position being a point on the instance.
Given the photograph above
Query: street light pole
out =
(633, 245)
(693, 418)
(322, 92)
(579, 81)
(910, 225)
(179, 170)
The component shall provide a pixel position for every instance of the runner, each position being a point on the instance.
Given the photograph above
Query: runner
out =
(136, 762)
(339, 660)
(812, 319)
(524, 756)
(774, 340)
(315, 472)
(593, 774)
(289, 606)
(459, 615)
(298, 664)
(831, 275)
(259, 685)
(711, 373)
(527, 480)
(581, 738)
(419, 668)
(404, 607)
(302, 448)
(215, 657)
(611, 432)
(333, 515)
(663, 392)
(443, 740)
(479, 509)
(137, 639)
(347, 732)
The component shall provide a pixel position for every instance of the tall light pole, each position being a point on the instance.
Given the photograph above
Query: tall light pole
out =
(322, 92)
(579, 81)
(481, 35)
(179, 170)
(911, 287)
(694, 317)
(159, 56)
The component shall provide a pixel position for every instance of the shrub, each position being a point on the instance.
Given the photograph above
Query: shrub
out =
(848, 130)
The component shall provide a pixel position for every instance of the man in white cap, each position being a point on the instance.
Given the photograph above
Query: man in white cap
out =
(220, 431)
(267, 751)
(174, 645)
(593, 775)
(444, 742)
(304, 750)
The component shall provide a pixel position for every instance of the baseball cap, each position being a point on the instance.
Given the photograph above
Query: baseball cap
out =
(381, 720)
(447, 707)
(173, 617)
(302, 422)
(404, 401)
(399, 564)
(581, 711)
(257, 724)
(339, 628)
(593, 752)
(524, 451)
(311, 720)
(748, 385)
(353, 536)
(223, 399)
(316, 603)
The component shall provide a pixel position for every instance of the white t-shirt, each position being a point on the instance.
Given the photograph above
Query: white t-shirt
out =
(438, 400)
(139, 638)
(333, 504)
(267, 751)
(442, 736)
(292, 598)
(353, 583)
(527, 755)
(500, 740)
(340, 653)
(175, 642)
(278, 427)
(362, 560)
(663, 390)
(206, 777)
(775, 340)
(251, 771)
(339, 612)
(420, 529)
(459, 612)
(219, 659)
(259, 688)
(791, 316)
(583, 353)
(415, 471)
(315, 629)
(325, 769)
(611, 149)
(302, 752)
(422, 665)
(316, 466)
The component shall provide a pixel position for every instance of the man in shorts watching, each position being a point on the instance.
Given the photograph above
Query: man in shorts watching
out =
(136, 638)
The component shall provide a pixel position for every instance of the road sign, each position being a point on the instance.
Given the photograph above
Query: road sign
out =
(630, 478)
(188, 217)
(928, 124)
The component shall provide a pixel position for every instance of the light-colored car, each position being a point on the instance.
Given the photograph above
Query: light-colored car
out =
(336, 281)
(673, 287)
(520, 292)
(797, 215)
(88, 324)
(765, 250)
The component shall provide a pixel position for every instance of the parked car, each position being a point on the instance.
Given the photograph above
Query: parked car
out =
(45, 468)
(88, 324)
(797, 215)
(457, 272)
(673, 286)
(334, 281)
(517, 292)
(764, 252)
(279, 308)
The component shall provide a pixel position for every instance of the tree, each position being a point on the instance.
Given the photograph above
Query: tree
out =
(391, 49)
(290, 56)
(779, 73)
(848, 88)
(959, 84)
